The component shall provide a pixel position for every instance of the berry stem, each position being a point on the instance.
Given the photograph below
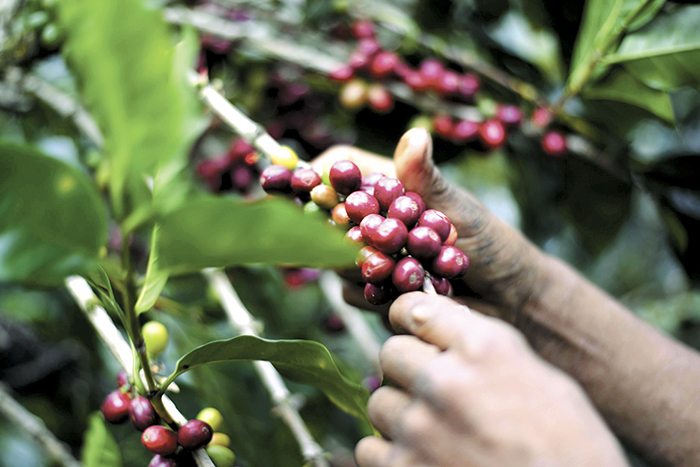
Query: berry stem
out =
(244, 324)
(428, 285)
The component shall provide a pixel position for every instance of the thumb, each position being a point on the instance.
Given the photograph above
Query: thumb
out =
(414, 164)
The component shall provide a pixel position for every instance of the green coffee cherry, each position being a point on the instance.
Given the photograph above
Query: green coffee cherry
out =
(156, 337)
(221, 455)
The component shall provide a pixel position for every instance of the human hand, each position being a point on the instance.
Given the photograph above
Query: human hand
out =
(472, 393)
(504, 266)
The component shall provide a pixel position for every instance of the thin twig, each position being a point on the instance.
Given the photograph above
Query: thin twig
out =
(244, 324)
(110, 335)
(35, 427)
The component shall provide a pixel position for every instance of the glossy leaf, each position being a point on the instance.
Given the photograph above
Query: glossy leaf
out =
(126, 76)
(623, 87)
(155, 278)
(305, 362)
(665, 54)
(217, 232)
(603, 23)
(100, 449)
(52, 220)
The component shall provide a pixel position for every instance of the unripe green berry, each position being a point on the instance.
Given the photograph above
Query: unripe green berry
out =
(221, 455)
(156, 337)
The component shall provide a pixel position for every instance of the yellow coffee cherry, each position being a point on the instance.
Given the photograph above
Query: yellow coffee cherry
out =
(156, 337)
(220, 439)
(286, 157)
(211, 416)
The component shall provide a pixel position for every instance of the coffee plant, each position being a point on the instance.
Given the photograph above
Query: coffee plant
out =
(167, 294)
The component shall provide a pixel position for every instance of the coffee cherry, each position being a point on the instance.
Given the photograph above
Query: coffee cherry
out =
(359, 60)
(443, 125)
(452, 237)
(541, 117)
(377, 267)
(141, 413)
(431, 70)
(286, 157)
(369, 47)
(372, 179)
(418, 199)
(220, 439)
(340, 216)
(442, 286)
(465, 131)
(448, 83)
(390, 236)
(468, 85)
(509, 115)
(194, 434)
(212, 417)
(345, 177)
(405, 209)
(160, 440)
(378, 294)
(387, 190)
(465, 266)
(155, 335)
(554, 143)
(115, 407)
(122, 379)
(416, 81)
(379, 98)
(359, 205)
(304, 180)
(276, 179)
(354, 236)
(369, 226)
(221, 456)
(383, 64)
(408, 275)
(363, 254)
(492, 133)
(160, 461)
(437, 221)
(325, 196)
(423, 243)
(449, 262)
(363, 29)
(342, 74)
(353, 95)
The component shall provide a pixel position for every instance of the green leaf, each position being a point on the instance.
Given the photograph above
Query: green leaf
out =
(665, 54)
(623, 87)
(304, 362)
(122, 53)
(155, 278)
(52, 220)
(219, 232)
(99, 447)
(604, 21)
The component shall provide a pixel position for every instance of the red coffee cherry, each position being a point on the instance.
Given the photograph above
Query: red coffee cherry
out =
(492, 133)
(160, 440)
(372, 179)
(390, 236)
(402, 69)
(359, 205)
(142, 413)
(363, 254)
(379, 98)
(443, 125)
(345, 177)
(465, 131)
(378, 294)
(554, 143)
(418, 199)
(342, 74)
(363, 29)
(359, 60)
(160, 461)
(452, 237)
(122, 379)
(369, 47)
(304, 180)
(194, 434)
(377, 267)
(468, 85)
(369, 225)
(449, 262)
(354, 236)
(415, 81)
(431, 70)
(437, 221)
(383, 64)
(423, 243)
(541, 117)
(387, 190)
(442, 286)
(448, 83)
(115, 407)
(509, 115)
(276, 179)
(405, 209)
(408, 275)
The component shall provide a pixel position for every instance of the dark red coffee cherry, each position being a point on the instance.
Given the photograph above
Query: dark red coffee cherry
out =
(122, 379)
(354, 236)
(159, 440)
(452, 237)
(465, 266)
(304, 180)
(115, 407)
(465, 131)
(387, 190)
(276, 179)
(340, 215)
(142, 413)
(369, 46)
(383, 64)
(363, 29)
(449, 262)
(448, 83)
(377, 267)
(408, 275)
(369, 225)
(431, 70)
(363, 254)
(442, 286)
(416, 81)
(492, 133)
(554, 143)
(405, 209)
(443, 125)
(509, 115)
(437, 221)
(372, 179)
(378, 294)
(418, 199)
(390, 236)
(345, 177)
(360, 205)
(423, 242)
(160, 461)
(194, 434)
(468, 85)
(333, 324)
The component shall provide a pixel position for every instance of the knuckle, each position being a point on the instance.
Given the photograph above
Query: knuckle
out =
(414, 423)
(442, 380)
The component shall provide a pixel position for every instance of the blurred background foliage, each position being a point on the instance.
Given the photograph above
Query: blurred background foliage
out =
(633, 230)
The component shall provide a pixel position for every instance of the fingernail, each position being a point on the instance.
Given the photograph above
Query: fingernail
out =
(417, 138)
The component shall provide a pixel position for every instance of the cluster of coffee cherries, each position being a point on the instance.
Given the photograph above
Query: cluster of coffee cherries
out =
(401, 242)
(235, 170)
